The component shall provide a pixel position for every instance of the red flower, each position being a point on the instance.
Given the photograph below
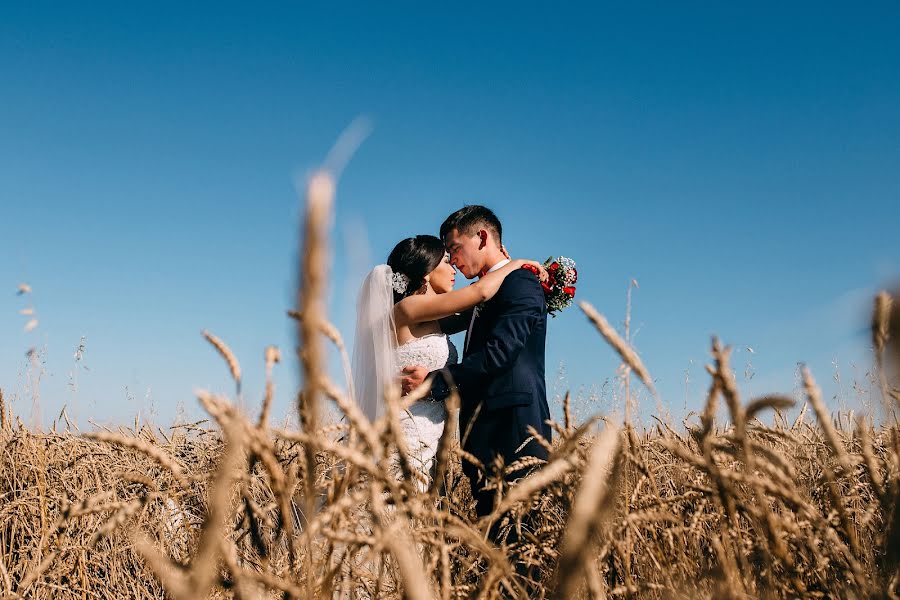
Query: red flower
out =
(554, 266)
(570, 291)
(547, 287)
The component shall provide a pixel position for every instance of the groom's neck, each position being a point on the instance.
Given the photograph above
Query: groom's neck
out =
(492, 261)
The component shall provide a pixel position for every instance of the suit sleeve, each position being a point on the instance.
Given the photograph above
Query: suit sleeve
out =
(522, 306)
(456, 323)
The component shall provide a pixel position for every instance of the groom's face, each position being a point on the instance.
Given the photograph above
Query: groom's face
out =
(466, 252)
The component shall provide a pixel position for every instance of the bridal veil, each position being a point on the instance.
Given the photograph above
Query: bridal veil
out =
(374, 358)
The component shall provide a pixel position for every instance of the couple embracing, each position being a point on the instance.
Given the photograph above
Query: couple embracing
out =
(406, 310)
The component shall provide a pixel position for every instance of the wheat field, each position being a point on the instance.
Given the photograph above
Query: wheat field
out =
(750, 506)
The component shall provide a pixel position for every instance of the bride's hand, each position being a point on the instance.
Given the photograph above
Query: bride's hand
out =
(542, 273)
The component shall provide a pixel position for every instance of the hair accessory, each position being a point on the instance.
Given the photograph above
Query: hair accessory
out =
(399, 282)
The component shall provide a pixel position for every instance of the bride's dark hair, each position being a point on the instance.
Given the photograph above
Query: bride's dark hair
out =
(415, 257)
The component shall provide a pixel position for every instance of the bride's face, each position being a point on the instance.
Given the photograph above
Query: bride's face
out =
(443, 277)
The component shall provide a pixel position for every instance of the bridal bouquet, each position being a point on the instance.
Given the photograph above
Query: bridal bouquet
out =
(559, 289)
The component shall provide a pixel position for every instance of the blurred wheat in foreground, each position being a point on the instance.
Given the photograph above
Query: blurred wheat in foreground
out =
(232, 507)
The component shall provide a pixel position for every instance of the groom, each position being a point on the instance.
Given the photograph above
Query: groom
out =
(500, 379)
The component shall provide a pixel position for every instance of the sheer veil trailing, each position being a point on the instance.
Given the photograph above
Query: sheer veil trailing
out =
(374, 359)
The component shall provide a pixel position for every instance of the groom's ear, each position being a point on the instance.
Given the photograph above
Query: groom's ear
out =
(484, 236)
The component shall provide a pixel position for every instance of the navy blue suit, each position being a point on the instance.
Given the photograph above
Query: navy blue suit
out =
(502, 372)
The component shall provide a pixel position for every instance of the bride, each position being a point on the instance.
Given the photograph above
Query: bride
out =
(398, 312)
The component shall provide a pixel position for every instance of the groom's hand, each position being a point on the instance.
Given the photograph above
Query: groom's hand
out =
(412, 378)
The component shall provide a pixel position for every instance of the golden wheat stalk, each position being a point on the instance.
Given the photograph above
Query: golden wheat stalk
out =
(881, 340)
(533, 484)
(233, 366)
(149, 450)
(592, 503)
(311, 304)
(203, 574)
(392, 413)
(311, 293)
(728, 386)
(881, 318)
(272, 356)
(872, 467)
(777, 402)
(412, 572)
(624, 350)
(359, 423)
(831, 437)
(4, 574)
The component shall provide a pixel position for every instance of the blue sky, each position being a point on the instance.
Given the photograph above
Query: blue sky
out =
(741, 163)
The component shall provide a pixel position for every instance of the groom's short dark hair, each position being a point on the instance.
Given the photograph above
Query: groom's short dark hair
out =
(470, 219)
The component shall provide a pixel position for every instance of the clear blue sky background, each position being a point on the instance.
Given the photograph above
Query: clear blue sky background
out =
(742, 163)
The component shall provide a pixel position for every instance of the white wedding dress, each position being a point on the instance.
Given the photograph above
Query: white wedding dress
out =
(378, 361)
(423, 422)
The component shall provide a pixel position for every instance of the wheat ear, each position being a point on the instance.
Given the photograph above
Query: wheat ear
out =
(233, 366)
(625, 351)
(592, 503)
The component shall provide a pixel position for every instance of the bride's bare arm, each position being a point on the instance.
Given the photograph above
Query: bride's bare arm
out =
(418, 309)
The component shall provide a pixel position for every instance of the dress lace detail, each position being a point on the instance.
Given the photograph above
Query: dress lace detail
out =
(423, 422)
(433, 352)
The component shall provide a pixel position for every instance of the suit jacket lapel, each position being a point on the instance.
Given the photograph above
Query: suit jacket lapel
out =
(471, 330)
(480, 315)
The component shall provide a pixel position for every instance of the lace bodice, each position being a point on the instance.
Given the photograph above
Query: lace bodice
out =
(434, 351)
(423, 421)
